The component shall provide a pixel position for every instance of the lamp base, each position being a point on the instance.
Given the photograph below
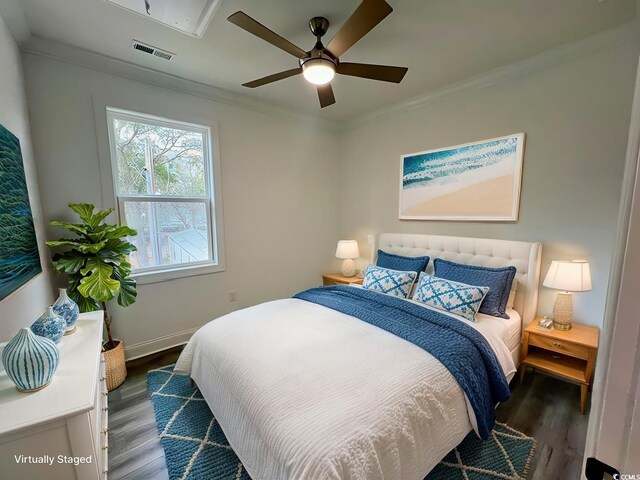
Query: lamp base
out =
(563, 311)
(348, 267)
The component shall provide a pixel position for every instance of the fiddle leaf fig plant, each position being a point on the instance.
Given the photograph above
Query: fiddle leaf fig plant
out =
(95, 262)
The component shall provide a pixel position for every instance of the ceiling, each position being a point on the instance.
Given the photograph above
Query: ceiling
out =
(441, 41)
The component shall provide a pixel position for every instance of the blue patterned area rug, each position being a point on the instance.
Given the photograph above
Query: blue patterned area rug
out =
(195, 447)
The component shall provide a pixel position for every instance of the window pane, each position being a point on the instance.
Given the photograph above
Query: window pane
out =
(155, 160)
(169, 233)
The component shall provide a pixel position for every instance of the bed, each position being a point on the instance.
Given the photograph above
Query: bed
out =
(306, 391)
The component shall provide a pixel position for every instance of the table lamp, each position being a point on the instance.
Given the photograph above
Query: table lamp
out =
(347, 250)
(567, 277)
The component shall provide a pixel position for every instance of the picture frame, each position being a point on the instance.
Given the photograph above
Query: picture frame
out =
(19, 255)
(474, 182)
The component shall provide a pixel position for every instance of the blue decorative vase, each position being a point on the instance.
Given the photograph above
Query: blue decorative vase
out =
(67, 309)
(50, 325)
(30, 360)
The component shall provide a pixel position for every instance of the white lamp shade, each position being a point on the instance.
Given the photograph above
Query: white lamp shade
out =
(572, 276)
(347, 249)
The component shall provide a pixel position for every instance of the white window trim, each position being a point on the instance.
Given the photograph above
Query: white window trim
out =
(212, 199)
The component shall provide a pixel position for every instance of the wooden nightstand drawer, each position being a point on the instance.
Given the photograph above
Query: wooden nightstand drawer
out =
(337, 279)
(566, 348)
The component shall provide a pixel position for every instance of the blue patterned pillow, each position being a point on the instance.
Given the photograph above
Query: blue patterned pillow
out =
(450, 296)
(398, 262)
(392, 282)
(499, 281)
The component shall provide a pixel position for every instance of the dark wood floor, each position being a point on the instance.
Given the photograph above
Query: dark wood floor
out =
(135, 451)
(543, 407)
(548, 409)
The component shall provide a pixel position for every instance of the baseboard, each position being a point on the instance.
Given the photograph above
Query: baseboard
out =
(142, 349)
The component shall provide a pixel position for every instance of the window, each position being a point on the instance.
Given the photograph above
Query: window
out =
(163, 179)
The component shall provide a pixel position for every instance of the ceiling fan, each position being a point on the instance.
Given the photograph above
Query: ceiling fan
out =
(320, 64)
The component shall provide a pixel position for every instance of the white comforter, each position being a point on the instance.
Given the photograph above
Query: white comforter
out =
(304, 392)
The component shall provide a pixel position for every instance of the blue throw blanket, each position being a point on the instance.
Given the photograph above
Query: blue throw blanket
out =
(459, 347)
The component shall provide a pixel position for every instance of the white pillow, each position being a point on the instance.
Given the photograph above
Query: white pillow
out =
(512, 294)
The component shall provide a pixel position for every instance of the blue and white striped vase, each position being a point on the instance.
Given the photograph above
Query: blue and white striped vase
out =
(30, 360)
(67, 309)
(50, 325)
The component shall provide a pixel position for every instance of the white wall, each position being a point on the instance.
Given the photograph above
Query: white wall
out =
(292, 188)
(576, 117)
(279, 188)
(614, 425)
(26, 304)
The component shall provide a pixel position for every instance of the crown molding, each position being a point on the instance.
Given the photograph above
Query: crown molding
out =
(608, 39)
(65, 53)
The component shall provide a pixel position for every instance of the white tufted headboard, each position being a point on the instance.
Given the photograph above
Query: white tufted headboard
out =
(486, 252)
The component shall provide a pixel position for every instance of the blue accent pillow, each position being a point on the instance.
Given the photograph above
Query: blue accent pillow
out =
(398, 262)
(450, 296)
(391, 282)
(499, 281)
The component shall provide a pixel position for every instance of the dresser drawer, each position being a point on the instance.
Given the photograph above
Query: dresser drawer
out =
(566, 348)
(102, 423)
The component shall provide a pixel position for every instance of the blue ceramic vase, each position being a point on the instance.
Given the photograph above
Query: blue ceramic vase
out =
(50, 325)
(30, 360)
(67, 309)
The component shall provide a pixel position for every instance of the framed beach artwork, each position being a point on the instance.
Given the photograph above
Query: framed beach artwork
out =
(477, 182)
(19, 257)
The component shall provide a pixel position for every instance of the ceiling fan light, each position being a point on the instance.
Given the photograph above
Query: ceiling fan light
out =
(318, 71)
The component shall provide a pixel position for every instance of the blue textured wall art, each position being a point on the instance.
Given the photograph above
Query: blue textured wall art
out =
(19, 257)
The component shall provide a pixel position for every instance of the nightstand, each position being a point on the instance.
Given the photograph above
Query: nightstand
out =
(337, 279)
(570, 354)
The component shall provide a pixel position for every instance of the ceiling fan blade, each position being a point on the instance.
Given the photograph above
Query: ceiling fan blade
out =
(369, 14)
(325, 94)
(273, 78)
(383, 73)
(252, 26)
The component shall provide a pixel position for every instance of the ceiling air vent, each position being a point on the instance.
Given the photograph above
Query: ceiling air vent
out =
(151, 50)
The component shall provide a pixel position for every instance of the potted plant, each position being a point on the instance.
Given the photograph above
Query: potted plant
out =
(95, 262)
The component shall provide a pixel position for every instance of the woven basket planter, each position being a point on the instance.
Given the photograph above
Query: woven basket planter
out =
(115, 367)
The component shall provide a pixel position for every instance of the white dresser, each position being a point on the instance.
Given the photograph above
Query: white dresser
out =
(59, 432)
